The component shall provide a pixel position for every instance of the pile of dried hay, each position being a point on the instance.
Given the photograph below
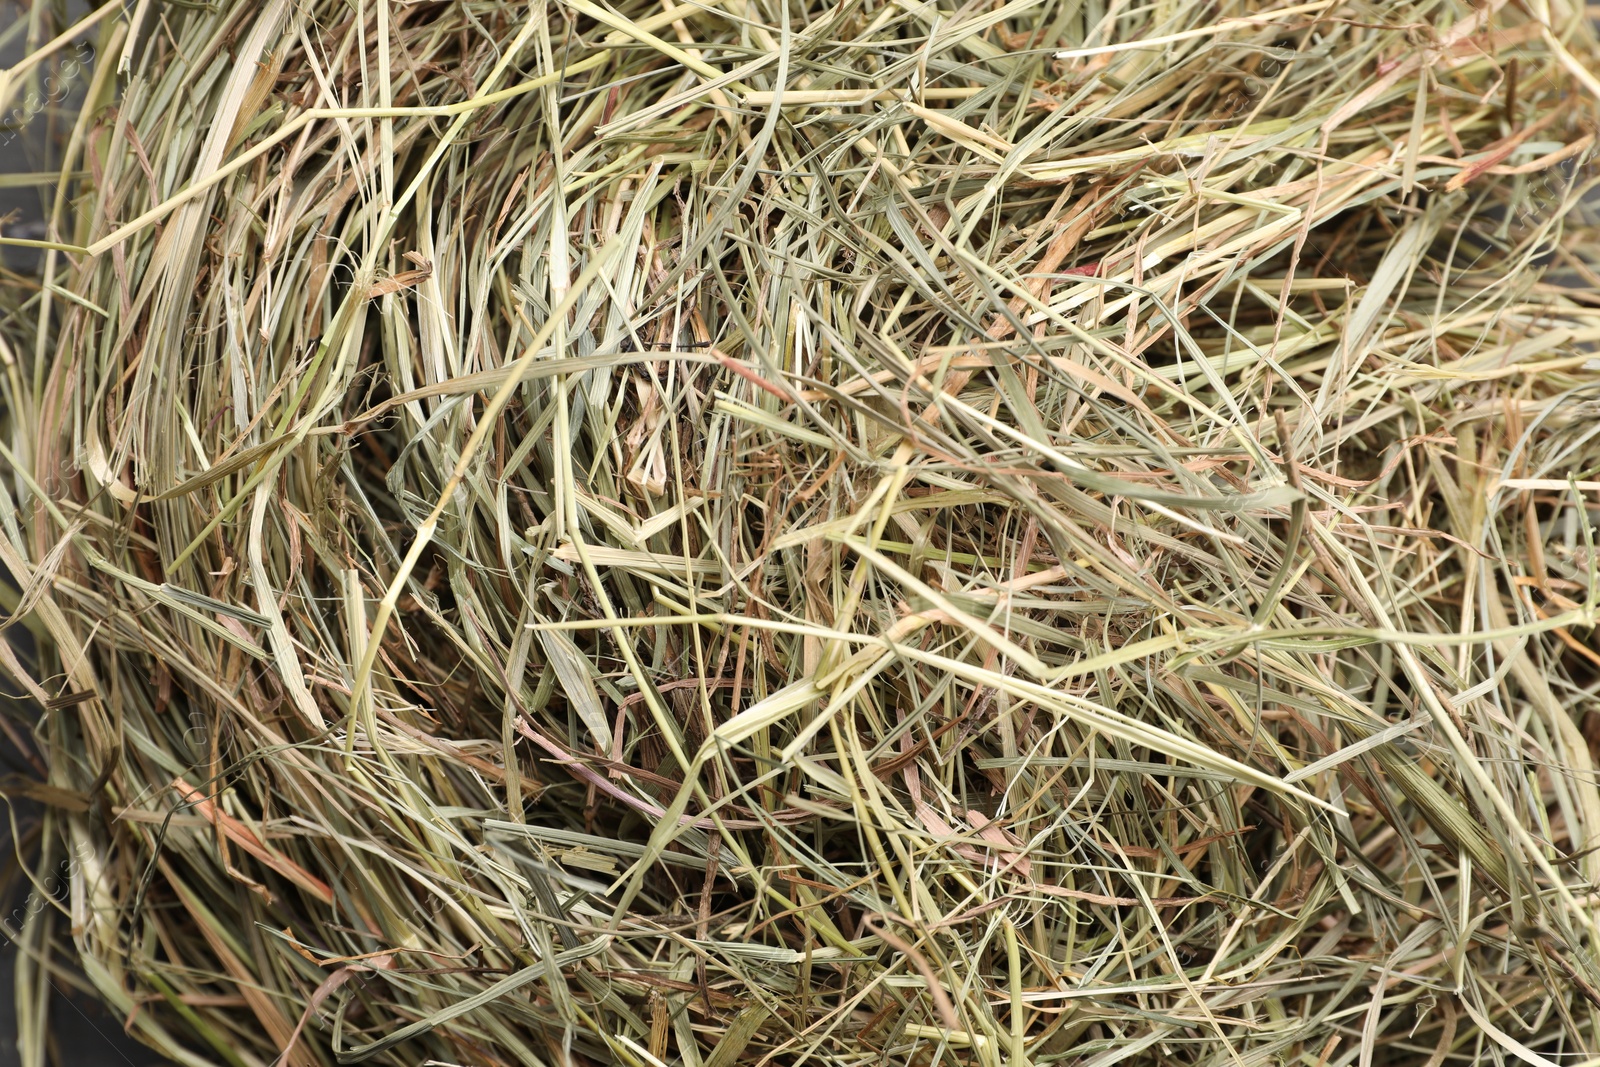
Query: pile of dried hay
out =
(737, 532)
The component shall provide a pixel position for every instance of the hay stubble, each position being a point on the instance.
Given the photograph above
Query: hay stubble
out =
(744, 533)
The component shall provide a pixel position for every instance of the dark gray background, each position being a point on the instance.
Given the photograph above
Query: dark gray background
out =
(83, 1033)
